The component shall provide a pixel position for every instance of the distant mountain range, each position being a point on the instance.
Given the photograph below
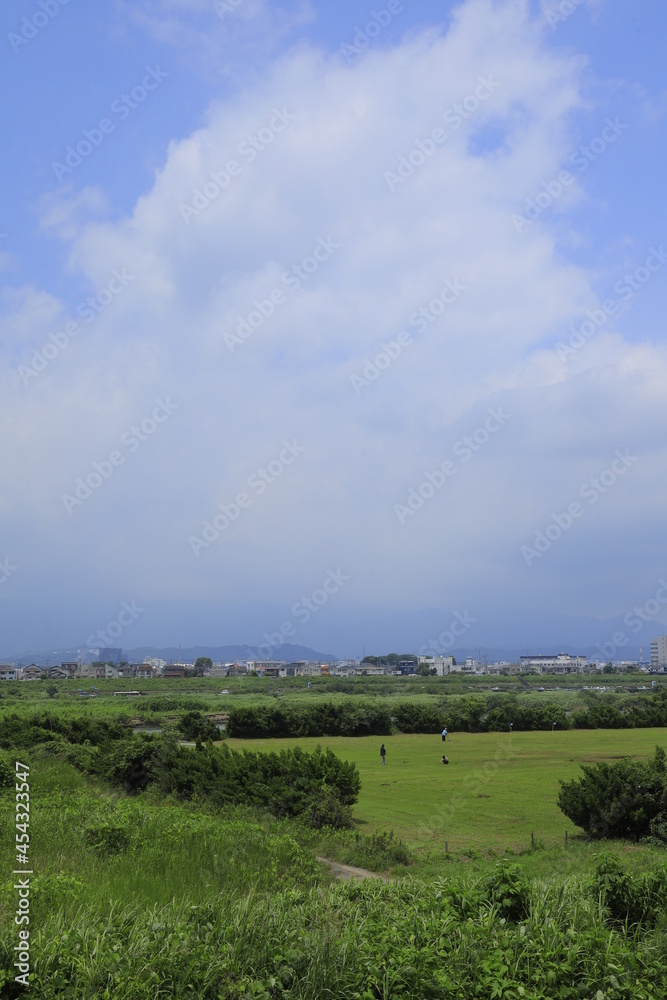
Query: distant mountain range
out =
(174, 654)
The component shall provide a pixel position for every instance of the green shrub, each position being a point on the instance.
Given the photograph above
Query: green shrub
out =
(507, 888)
(346, 718)
(625, 799)
(195, 726)
(325, 808)
(636, 899)
(318, 785)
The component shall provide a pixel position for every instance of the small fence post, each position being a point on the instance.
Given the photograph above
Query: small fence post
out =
(566, 838)
(532, 840)
(446, 848)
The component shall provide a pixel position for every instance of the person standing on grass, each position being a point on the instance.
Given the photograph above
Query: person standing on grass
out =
(383, 753)
(444, 735)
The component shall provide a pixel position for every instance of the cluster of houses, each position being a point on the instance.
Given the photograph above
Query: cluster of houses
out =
(440, 666)
(159, 668)
(553, 664)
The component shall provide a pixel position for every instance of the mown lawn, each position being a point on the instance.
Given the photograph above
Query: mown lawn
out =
(497, 790)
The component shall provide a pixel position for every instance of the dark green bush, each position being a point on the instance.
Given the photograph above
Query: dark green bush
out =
(18, 732)
(508, 889)
(317, 786)
(195, 726)
(625, 799)
(349, 718)
(636, 899)
(326, 809)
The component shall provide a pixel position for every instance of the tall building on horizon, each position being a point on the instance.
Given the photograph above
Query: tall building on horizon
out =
(659, 651)
(110, 655)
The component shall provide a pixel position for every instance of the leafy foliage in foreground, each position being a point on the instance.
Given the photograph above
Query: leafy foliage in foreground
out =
(195, 726)
(293, 937)
(317, 786)
(626, 799)
(138, 898)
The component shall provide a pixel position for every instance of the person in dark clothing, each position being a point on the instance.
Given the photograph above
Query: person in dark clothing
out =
(383, 753)
(444, 760)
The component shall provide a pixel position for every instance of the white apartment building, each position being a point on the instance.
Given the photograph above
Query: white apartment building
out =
(562, 663)
(442, 664)
(659, 651)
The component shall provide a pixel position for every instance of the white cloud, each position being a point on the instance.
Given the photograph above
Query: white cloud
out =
(323, 176)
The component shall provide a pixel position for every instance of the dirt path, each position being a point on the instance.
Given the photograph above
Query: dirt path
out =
(347, 871)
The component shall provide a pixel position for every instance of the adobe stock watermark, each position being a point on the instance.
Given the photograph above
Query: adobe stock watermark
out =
(225, 7)
(33, 24)
(303, 611)
(122, 107)
(420, 320)
(635, 620)
(562, 11)
(249, 149)
(591, 491)
(258, 483)
(448, 638)
(7, 569)
(626, 288)
(454, 117)
(464, 449)
(130, 440)
(378, 21)
(553, 189)
(88, 310)
(113, 629)
(292, 280)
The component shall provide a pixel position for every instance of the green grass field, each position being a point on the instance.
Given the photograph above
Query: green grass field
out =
(496, 791)
(139, 896)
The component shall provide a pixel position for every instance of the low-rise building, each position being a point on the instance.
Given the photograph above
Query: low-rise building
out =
(344, 668)
(561, 663)
(468, 666)
(8, 672)
(155, 662)
(176, 670)
(31, 673)
(89, 670)
(271, 668)
(441, 664)
(370, 670)
(219, 670)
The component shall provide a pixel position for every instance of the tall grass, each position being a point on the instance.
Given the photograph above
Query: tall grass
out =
(191, 904)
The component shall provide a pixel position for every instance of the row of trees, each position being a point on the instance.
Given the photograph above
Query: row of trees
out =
(474, 714)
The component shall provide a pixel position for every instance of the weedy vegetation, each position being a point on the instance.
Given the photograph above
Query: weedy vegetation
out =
(170, 870)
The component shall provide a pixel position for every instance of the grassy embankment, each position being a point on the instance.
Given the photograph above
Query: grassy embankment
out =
(140, 897)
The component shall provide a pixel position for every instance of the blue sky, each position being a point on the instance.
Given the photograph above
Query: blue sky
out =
(410, 257)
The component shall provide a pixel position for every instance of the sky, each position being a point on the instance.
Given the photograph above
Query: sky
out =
(338, 325)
